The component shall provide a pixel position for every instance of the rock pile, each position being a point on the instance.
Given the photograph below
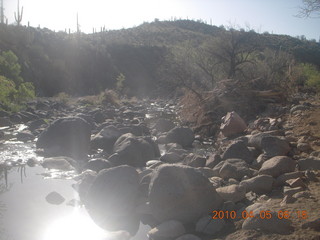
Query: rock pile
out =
(178, 193)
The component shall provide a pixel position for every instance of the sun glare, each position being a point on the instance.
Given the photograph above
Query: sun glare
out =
(76, 226)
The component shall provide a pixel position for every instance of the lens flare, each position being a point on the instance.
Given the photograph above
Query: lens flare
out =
(77, 226)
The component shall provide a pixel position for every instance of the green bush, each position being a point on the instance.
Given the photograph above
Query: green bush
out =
(312, 76)
(13, 91)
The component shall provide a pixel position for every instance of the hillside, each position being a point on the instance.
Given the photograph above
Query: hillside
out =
(82, 64)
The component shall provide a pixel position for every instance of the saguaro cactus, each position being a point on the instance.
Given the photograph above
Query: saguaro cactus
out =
(1, 12)
(18, 14)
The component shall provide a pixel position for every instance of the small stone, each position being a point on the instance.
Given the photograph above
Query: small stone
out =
(303, 147)
(210, 226)
(263, 198)
(304, 194)
(287, 199)
(309, 163)
(290, 191)
(311, 176)
(55, 198)
(315, 225)
(233, 193)
(167, 229)
(296, 183)
(281, 180)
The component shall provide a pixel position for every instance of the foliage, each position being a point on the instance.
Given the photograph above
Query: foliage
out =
(13, 91)
(9, 66)
(7, 91)
(120, 82)
(109, 97)
(155, 57)
(63, 97)
(312, 76)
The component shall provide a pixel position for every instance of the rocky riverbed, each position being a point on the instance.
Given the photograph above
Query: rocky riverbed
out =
(136, 164)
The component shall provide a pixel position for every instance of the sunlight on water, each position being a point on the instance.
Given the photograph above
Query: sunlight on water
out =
(76, 226)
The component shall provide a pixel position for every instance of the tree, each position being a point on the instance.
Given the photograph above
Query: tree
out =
(230, 52)
(9, 67)
(180, 71)
(310, 8)
(13, 91)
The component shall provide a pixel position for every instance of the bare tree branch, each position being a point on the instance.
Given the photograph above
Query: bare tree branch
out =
(310, 8)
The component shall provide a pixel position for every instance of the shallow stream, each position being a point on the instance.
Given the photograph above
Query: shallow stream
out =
(25, 214)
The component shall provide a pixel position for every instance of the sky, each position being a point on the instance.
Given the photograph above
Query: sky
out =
(273, 16)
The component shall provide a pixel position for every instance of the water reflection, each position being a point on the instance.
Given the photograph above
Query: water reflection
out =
(24, 212)
(78, 226)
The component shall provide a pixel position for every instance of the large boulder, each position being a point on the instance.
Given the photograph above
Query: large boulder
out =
(134, 151)
(181, 193)
(233, 168)
(272, 146)
(259, 184)
(277, 165)
(234, 192)
(181, 135)
(163, 125)
(309, 163)
(112, 198)
(106, 138)
(238, 149)
(66, 136)
(232, 124)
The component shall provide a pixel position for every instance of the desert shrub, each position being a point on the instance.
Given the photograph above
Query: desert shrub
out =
(63, 97)
(305, 77)
(120, 83)
(312, 76)
(109, 97)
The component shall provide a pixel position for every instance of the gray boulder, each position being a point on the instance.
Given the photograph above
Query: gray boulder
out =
(272, 146)
(163, 125)
(106, 138)
(213, 160)
(171, 157)
(277, 165)
(194, 160)
(260, 184)
(134, 151)
(238, 149)
(181, 135)
(310, 163)
(181, 193)
(60, 163)
(98, 164)
(66, 136)
(112, 198)
(210, 226)
(234, 193)
(233, 168)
